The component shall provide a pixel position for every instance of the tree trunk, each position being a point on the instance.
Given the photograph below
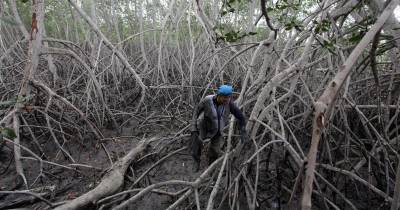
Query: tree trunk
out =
(34, 50)
(22, 28)
(325, 104)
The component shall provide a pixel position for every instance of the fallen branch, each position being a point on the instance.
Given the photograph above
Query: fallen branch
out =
(110, 183)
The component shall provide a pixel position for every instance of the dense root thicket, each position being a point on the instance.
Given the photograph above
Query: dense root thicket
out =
(85, 92)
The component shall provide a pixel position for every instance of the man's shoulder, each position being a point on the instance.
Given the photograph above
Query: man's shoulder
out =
(232, 103)
(207, 98)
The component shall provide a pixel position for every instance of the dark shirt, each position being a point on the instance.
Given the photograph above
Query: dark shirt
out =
(233, 108)
(209, 124)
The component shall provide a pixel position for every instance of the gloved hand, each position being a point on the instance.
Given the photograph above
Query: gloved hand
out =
(194, 136)
(243, 135)
(196, 145)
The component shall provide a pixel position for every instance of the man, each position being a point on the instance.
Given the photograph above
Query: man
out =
(209, 120)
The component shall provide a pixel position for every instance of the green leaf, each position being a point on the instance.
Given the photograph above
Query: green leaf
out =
(326, 22)
(281, 7)
(317, 29)
(356, 37)
(323, 26)
(288, 26)
(9, 133)
(252, 33)
(270, 9)
(328, 44)
(233, 36)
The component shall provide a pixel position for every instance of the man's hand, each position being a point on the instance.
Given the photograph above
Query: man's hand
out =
(243, 135)
(194, 136)
(196, 146)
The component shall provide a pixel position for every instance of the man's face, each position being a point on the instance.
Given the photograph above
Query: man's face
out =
(223, 99)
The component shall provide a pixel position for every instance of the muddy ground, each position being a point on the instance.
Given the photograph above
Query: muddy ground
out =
(59, 184)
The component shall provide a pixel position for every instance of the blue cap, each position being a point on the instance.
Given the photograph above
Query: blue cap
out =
(225, 90)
